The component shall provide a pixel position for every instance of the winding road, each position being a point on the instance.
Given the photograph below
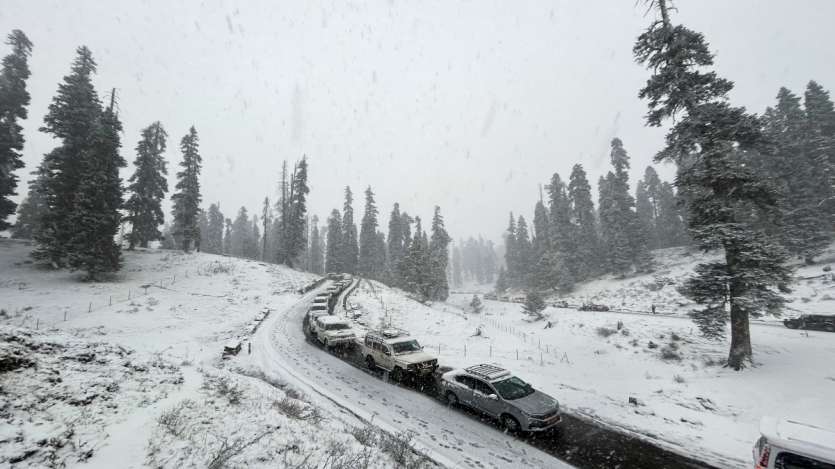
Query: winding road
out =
(449, 437)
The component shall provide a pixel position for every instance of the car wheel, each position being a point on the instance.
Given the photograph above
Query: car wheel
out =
(325, 342)
(510, 424)
(369, 360)
(451, 399)
(397, 373)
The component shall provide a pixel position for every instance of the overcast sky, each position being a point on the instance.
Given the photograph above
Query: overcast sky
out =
(467, 105)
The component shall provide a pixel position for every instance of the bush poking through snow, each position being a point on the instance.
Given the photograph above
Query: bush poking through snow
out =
(174, 419)
(399, 447)
(534, 305)
(605, 332)
(231, 447)
(679, 379)
(223, 386)
(670, 352)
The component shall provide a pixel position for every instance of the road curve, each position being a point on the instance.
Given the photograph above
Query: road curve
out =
(448, 436)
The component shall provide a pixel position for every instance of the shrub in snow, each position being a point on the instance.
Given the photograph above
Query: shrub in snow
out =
(476, 307)
(605, 331)
(225, 387)
(534, 305)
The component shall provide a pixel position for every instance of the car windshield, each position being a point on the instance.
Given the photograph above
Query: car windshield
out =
(337, 327)
(513, 388)
(405, 347)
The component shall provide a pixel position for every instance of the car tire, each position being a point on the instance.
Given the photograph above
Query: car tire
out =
(510, 424)
(452, 399)
(369, 360)
(397, 374)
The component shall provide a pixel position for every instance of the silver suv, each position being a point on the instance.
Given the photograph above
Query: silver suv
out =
(494, 391)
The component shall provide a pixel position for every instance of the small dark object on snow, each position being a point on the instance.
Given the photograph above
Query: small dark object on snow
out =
(652, 344)
(231, 348)
(592, 307)
(634, 401)
(653, 309)
(549, 325)
(827, 268)
(249, 348)
(812, 322)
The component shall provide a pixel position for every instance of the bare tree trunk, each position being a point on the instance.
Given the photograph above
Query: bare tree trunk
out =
(740, 354)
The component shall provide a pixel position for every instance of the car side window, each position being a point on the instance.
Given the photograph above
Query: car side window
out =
(786, 460)
(465, 380)
(483, 387)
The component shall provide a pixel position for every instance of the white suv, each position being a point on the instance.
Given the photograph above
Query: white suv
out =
(786, 444)
(332, 331)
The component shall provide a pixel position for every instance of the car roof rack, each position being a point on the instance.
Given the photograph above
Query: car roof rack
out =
(488, 371)
(390, 332)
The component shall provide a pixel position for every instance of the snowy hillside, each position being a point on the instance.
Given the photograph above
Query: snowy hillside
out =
(134, 374)
(652, 376)
(813, 290)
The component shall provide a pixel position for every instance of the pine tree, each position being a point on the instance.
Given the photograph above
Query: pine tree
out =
(148, 186)
(96, 219)
(476, 306)
(266, 220)
(13, 102)
(368, 239)
(214, 231)
(586, 245)
(295, 220)
(561, 259)
(349, 250)
(534, 305)
(82, 189)
(647, 200)
(252, 241)
(438, 258)
(820, 123)
(511, 255)
(416, 265)
(457, 279)
(524, 252)
(379, 258)
(227, 238)
(241, 232)
(317, 257)
(728, 201)
(670, 224)
(202, 230)
(501, 280)
(395, 245)
(802, 179)
(333, 257)
(187, 199)
(31, 211)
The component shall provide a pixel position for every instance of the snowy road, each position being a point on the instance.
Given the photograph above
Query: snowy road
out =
(448, 436)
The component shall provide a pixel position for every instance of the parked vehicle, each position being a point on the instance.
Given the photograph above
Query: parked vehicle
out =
(491, 296)
(812, 322)
(786, 444)
(324, 298)
(316, 310)
(494, 391)
(332, 331)
(398, 353)
(232, 347)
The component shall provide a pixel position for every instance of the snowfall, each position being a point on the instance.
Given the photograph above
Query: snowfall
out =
(129, 372)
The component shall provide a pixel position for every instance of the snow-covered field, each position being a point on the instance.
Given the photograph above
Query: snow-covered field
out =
(596, 363)
(814, 290)
(133, 377)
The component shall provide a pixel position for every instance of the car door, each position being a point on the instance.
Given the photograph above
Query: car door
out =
(464, 390)
(481, 397)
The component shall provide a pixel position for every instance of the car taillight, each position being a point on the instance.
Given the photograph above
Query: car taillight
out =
(764, 454)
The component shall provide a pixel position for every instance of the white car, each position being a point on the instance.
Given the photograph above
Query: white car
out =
(316, 310)
(332, 331)
(786, 444)
(393, 350)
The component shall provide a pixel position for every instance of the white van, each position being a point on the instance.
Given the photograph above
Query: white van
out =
(786, 444)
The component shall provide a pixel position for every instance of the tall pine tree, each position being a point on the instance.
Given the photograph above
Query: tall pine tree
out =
(148, 186)
(317, 255)
(350, 249)
(187, 199)
(438, 258)
(214, 235)
(333, 256)
(13, 102)
(368, 239)
(728, 201)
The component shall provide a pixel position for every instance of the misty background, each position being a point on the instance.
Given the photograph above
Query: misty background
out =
(467, 105)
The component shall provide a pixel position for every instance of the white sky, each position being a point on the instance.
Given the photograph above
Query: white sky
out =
(468, 105)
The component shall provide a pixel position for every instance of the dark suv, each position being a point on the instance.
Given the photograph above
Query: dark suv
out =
(812, 322)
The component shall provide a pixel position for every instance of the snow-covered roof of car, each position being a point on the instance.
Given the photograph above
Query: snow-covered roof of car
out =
(327, 320)
(802, 438)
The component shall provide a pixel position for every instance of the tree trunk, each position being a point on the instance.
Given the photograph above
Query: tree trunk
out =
(740, 354)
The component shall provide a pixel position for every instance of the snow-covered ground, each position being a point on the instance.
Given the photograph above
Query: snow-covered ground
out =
(596, 363)
(128, 373)
(813, 291)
